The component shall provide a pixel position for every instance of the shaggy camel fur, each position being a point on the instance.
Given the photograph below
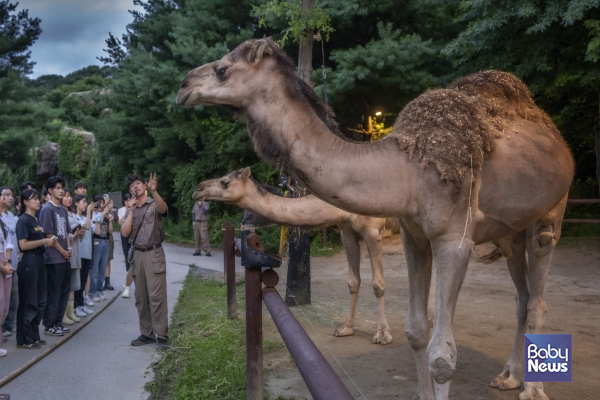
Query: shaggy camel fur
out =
(472, 163)
(309, 212)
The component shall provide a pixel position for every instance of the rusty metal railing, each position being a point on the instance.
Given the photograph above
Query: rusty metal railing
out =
(322, 382)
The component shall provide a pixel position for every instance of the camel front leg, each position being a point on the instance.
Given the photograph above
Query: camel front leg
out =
(374, 244)
(451, 261)
(418, 260)
(514, 249)
(352, 247)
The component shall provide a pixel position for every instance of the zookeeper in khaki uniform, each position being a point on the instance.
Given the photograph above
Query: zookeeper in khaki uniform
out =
(200, 217)
(143, 226)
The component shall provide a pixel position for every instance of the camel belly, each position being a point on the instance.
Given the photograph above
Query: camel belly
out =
(525, 177)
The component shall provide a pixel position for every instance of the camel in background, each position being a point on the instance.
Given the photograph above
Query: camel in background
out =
(308, 212)
(474, 162)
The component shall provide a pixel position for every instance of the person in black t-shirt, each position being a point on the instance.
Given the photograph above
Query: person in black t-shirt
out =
(31, 272)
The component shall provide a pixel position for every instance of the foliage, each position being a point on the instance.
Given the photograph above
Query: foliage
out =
(17, 33)
(72, 160)
(385, 73)
(298, 21)
(206, 358)
(552, 46)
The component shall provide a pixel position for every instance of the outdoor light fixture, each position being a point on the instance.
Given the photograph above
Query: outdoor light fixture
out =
(378, 113)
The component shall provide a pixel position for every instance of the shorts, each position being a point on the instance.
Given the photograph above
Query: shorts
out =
(75, 279)
(111, 247)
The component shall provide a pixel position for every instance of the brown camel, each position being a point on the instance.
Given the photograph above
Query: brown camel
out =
(309, 212)
(475, 162)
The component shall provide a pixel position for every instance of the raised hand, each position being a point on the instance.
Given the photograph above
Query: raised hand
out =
(152, 182)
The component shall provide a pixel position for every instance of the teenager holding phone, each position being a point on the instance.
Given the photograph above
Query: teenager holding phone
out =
(76, 235)
(103, 227)
(83, 215)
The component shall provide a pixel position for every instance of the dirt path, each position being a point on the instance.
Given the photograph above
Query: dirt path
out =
(484, 326)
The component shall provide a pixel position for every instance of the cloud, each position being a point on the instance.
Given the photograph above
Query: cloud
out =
(74, 32)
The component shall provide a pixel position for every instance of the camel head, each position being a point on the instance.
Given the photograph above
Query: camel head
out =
(228, 189)
(250, 70)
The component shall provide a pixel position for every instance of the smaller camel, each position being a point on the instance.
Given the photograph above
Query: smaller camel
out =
(309, 212)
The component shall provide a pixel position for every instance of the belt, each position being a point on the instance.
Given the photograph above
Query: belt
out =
(147, 247)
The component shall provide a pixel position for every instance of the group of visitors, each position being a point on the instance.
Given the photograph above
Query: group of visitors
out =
(55, 259)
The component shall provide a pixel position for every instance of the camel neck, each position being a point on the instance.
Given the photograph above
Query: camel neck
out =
(338, 171)
(307, 211)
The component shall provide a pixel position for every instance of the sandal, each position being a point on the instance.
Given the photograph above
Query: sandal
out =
(29, 346)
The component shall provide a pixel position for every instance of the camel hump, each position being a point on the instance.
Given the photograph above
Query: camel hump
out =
(453, 128)
(448, 129)
(504, 97)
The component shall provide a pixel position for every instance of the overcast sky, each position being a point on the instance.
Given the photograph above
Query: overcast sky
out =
(74, 32)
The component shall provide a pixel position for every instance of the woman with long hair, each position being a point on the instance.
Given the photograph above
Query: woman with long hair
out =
(69, 318)
(84, 218)
(31, 272)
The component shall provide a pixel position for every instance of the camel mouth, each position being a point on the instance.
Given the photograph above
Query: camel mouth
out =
(198, 195)
(182, 98)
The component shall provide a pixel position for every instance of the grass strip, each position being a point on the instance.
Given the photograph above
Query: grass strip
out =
(206, 359)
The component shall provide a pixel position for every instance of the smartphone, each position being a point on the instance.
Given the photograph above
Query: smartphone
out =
(54, 237)
(75, 229)
(105, 197)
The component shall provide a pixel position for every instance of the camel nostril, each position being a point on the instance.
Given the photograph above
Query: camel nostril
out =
(184, 83)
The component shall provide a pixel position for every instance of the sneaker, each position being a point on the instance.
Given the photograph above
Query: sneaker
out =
(101, 296)
(54, 331)
(87, 310)
(161, 344)
(142, 340)
(29, 346)
(79, 312)
(3, 352)
(125, 294)
(3, 340)
(108, 287)
(197, 254)
(208, 254)
(88, 302)
(6, 333)
(63, 328)
(96, 298)
(41, 342)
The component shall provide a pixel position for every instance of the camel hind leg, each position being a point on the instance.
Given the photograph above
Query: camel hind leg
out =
(373, 240)
(352, 247)
(514, 249)
(541, 239)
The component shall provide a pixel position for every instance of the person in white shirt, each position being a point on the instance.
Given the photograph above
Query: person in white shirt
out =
(10, 224)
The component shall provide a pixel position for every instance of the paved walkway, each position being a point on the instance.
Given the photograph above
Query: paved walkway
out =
(98, 362)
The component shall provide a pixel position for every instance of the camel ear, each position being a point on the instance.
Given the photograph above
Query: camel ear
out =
(246, 173)
(257, 50)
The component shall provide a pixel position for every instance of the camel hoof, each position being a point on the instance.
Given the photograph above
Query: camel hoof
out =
(504, 382)
(533, 391)
(343, 331)
(382, 338)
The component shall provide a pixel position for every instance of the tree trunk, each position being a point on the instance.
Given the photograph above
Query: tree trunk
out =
(306, 49)
(298, 278)
(597, 134)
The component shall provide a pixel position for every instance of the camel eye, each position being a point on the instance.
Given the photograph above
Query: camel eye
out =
(224, 184)
(220, 72)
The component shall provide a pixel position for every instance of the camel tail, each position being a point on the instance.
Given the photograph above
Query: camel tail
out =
(490, 257)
